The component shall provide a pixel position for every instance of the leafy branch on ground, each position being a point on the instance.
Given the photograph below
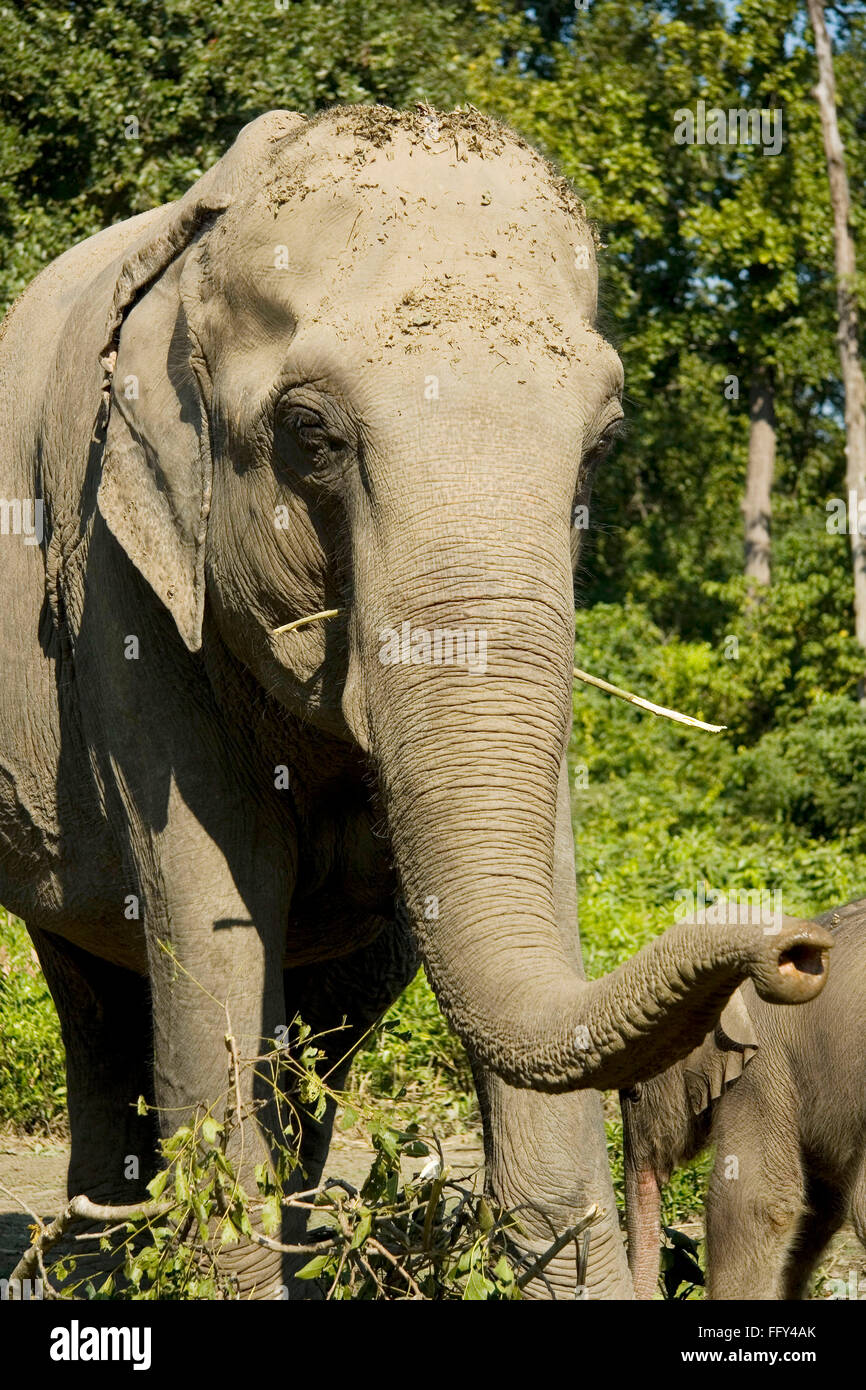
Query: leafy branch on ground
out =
(425, 1237)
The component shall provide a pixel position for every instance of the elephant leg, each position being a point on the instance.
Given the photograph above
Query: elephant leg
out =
(826, 1209)
(215, 907)
(858, 1206)
(756, 1198)
(105, 1020)
(546, 1154)
(359, 988)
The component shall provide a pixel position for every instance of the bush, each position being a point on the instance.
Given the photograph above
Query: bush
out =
(415, 1057)
(811, 774)
(32, 1063)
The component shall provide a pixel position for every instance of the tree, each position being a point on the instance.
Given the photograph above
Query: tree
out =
(715, 272)
(846, 302)
(757, 503)
(111, 107)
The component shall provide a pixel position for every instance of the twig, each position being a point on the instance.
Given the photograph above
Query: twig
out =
(647, 704)
(80, 1209)
(23, 1205)
(582, 1258)
(258, 1239)
(591, 1215)
(397, 1265)
(302, 622)
(579, 675)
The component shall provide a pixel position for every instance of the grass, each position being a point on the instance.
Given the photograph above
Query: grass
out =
(32, 1069)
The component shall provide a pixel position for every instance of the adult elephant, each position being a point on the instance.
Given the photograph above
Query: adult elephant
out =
(354, 368)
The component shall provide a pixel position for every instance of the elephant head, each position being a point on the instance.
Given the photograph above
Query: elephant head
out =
(356, 367)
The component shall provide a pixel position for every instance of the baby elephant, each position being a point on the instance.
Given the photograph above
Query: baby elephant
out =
(781, 1093)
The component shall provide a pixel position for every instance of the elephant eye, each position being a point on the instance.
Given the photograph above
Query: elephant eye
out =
(307, 427)
(602, 446)
(305, 442)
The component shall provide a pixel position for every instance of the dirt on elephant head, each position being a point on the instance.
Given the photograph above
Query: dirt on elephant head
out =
(443, 299)
(462, 133)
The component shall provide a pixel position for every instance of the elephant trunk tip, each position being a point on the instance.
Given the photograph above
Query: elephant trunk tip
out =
(793, 964)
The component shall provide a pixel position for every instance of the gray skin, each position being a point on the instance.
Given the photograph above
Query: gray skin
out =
(384, 327)
(782, 1092)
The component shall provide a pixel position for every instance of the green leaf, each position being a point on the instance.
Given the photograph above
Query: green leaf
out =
(477, 1287)
(485, 1216)
(348, 1118)
(361, 1231)
(386, 1140)
(201, 1215)
(239, 1218)
(181, 1186)
(210, 1130)
(272, 1217)
(156, 1186)
(316, 1266)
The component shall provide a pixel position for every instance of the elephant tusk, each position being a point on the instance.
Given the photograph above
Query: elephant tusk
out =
(578, 675)
(647, 704)
(302, 622)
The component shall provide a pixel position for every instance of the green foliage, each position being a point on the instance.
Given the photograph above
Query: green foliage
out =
(718, 261)
(811, 774)
(415, 1057)
(110, 107)
(32, 1069)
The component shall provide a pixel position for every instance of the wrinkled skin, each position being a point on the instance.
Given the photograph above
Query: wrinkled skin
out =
(782, 1092)
(355, 367)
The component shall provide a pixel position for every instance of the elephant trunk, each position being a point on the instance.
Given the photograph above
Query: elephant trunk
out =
(469, 753)
(642, 1202)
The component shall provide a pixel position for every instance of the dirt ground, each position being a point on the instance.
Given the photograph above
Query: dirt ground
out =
(35, 1171)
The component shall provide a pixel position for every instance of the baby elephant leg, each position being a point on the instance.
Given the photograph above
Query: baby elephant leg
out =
(826, 1208)
(755, 1202)
(858, 1206)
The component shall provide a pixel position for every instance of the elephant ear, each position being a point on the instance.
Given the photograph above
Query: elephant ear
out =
(722, 1056)
(155, 486)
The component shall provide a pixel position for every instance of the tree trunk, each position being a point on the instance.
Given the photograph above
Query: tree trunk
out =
(847, 334)
(757, 506)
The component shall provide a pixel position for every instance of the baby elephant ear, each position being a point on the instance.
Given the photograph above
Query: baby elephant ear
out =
(155, 489)
(722, 1056)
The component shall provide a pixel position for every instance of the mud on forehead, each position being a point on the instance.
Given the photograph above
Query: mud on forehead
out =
(439, 217)
(421, 158)
(462, 134)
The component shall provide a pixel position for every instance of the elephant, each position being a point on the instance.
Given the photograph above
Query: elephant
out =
(782, 1098)
(353, 371)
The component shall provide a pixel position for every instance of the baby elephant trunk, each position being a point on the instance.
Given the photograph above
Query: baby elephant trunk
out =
(642, 1210)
